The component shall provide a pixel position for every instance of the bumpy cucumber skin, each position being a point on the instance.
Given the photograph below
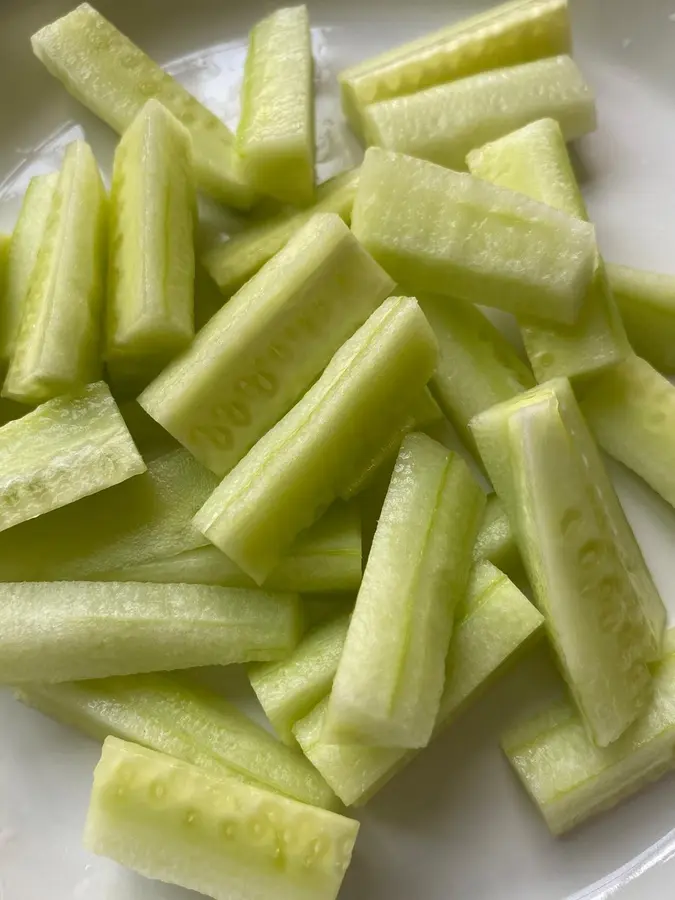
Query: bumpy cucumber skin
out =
(170, 820)
(507, 35)
(496, 541)
(111, 76)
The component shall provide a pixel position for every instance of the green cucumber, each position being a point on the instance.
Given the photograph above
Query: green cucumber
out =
(65, 449)
(493, 626)
(191, 723)
(302, 464)
(151, 267)
(390, 676)
(170, 820)
(276, 131)
(443, 123)
(515, 32)
(288, 690)
(73, 630)
(23, 252)
(263, 349)
(496, 541)
(569, 778)
(232, 264)
(57, 347)
(113, 78)
(447, 232)
(535, 161)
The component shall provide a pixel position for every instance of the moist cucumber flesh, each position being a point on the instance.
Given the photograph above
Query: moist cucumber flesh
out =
(496, 541)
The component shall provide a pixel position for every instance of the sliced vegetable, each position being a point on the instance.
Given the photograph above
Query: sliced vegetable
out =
(496, 541)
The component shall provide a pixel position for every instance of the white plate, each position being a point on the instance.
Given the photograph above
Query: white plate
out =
(455, 824)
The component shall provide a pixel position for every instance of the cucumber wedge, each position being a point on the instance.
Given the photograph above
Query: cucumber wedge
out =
(496, 541)
(168, 715)
(534, 161)
(508, 34)
(170, 820)
(65, 449)
(113, 78)
(443, 123)
(299, 467)
(22, 255)
(151, 269)
(449, 233)
(276, 131)
(390, 676)
(494, 625)
(72, 630)
(232, 264)
(263, 349)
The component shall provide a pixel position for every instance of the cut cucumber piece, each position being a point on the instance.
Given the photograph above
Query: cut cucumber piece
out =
(443, 123)
(65, 449)
(569, 778)
(496, 541)
(72, 630)
(390, 676)
(185, 721)
(151, 268)
(321, 608)
(534, 161)
(232, 264)
(508, 34)
(170, 820)
(276, 131)
(22, 256)
(290, 689)
(449, 233)
(150, 438)
(113, 78)
(299, 467)
(263, 349)
(494, 625)
(57, 348)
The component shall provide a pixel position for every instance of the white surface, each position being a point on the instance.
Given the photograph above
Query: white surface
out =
(454, 825)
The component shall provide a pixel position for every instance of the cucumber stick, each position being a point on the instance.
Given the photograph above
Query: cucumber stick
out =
(151, 268)
(111, 76)
(534, 161)
(514, 32)
(65, 449)
(167, 714)
(494, 625)
(276, 131)
(301, 465)
(390, 677)
(446, 232)
(72, 630)
(232, 264)
(443, 123)
(57, 347)
(21, 258)
(263, 349)
(175, 822)
(496, 541)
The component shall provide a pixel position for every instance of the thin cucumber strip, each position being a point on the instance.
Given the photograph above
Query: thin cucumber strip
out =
(390, 677)
(151, 266)
(232, 264)
(22, 256)
(166, 714)
(288, 690)
(65, 449)
(57, 347)
(299, 467)
(496, 541)
(449, 233)
(569, 778)
(276, 131)
(535, 161)
(73, 630)
(443, 123)
(495, 624)
(175, 822)
(113, 78)
(515, 32)
(263, 349)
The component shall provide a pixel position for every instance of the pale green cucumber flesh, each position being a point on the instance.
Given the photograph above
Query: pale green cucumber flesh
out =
(496, 540)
